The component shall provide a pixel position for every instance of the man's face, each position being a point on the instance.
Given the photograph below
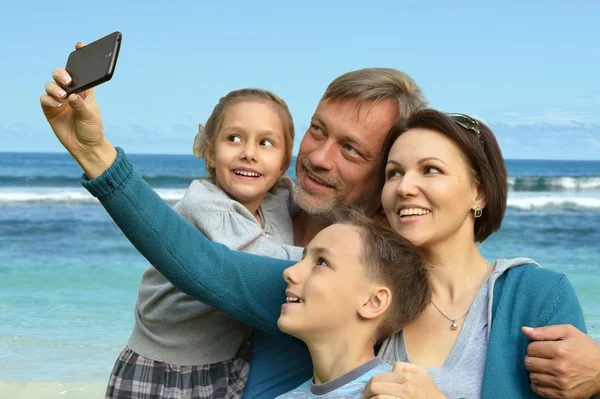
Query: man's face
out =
(339, 157)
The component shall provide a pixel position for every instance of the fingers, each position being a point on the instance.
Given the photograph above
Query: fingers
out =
(406, 368)
(78, 104)
(49, 102)
(79, 45)
(539, 365)
(61, 76)
(392, 377)
(548, 381)
(55, 91)
(542, 349)
(549, 333)
(545, 392)
(381, 390)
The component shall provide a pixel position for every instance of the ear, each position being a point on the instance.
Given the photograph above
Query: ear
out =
(376, 303)
(480, 197)
(209, 154)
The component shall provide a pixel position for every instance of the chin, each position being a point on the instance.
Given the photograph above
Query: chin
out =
(286, 328)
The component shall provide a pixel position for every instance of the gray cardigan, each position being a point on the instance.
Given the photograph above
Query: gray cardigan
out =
(175, 328)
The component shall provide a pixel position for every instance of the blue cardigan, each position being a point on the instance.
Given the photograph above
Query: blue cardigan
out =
(251, 289)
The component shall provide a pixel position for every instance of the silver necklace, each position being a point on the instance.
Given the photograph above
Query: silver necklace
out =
(454, 324)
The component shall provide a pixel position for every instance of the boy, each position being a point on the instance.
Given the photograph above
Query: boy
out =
(357, 284)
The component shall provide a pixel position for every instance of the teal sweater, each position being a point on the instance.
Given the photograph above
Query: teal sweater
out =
(251, 289)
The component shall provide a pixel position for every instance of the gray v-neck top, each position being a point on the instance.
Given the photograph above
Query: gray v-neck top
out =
(466, 360)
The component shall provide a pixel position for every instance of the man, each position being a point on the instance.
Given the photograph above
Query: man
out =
(338, 163)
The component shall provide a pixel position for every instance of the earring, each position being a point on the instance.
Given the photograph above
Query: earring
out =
(477, 212)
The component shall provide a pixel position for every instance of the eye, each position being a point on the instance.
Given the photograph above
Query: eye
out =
(349, 148)
(322, 262)
(431, 170)
(391, 173)
(234, 139)
(316, 130)
(267, 143)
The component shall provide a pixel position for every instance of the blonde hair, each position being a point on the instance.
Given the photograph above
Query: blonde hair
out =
(207, 134)
(376, 84)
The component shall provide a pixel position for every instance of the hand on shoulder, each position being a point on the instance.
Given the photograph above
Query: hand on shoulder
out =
(563, 362)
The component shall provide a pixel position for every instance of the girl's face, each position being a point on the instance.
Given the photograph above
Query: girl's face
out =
(248, 152)
(429, 193)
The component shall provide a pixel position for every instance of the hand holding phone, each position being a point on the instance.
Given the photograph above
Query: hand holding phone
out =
(93, 64)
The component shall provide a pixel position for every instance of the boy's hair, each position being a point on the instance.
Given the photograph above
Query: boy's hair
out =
(395, 262)
(378, 84)
(208, 134)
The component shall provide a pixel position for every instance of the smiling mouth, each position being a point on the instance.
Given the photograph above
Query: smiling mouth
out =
(291, 299)
(246, 173)
(413, 212)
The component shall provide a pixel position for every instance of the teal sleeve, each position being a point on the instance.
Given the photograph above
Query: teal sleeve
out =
(524, 296)
(563, 307)
(248, 287)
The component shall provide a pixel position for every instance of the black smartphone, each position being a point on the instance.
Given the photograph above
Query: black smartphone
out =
(93, 64)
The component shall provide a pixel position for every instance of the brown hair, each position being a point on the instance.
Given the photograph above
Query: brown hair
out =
(207, 134)
(395, 262)
(482, 155)
(377, 84)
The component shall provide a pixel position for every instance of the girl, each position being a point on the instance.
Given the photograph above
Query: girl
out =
(179, 347)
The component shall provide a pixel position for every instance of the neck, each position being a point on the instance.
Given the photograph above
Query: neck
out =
(335, 356)
(306, 227)
(455, 267)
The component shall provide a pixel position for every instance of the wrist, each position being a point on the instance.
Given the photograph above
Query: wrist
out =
(96, 160)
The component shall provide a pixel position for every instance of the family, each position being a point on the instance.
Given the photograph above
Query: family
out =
(361, 280)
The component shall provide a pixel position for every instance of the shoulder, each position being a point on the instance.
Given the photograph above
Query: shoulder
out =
(283, 188)
(280, 197)
(534, 290)
(204, 196)
(532, 276)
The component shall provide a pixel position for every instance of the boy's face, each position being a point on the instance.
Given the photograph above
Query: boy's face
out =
(328, 285)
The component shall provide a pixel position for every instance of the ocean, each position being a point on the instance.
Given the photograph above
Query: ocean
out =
(69, 277)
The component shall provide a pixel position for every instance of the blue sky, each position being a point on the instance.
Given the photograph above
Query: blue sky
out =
(529, 71)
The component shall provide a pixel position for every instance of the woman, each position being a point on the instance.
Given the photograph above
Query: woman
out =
(445, 191)
(440, 178)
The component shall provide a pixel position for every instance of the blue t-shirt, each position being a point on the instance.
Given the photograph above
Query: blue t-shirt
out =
(348, 386)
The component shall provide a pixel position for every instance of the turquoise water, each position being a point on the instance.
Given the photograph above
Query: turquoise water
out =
(69, 277)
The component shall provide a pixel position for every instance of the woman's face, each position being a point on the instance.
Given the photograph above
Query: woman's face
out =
(429, 193)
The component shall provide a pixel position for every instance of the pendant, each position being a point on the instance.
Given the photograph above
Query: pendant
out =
(454, 326)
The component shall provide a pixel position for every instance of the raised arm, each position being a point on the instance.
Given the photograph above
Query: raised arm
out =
(248, 287)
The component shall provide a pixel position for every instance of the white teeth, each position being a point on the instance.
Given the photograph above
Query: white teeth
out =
(291, 299)
(414, 211)
(318, 180)
(246, 173)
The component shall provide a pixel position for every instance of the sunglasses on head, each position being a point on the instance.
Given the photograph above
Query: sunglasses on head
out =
(466, 122)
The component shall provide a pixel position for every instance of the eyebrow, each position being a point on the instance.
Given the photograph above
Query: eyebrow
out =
(265, 132)
(323, 251)
(348, 139)
(420, 161)
(423, 160)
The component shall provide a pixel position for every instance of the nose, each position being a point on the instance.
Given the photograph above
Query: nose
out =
(249, 151)
(323, 156)
(408, 185)
(295, 274)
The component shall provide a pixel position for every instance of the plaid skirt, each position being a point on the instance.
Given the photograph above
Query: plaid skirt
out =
(136, 377)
